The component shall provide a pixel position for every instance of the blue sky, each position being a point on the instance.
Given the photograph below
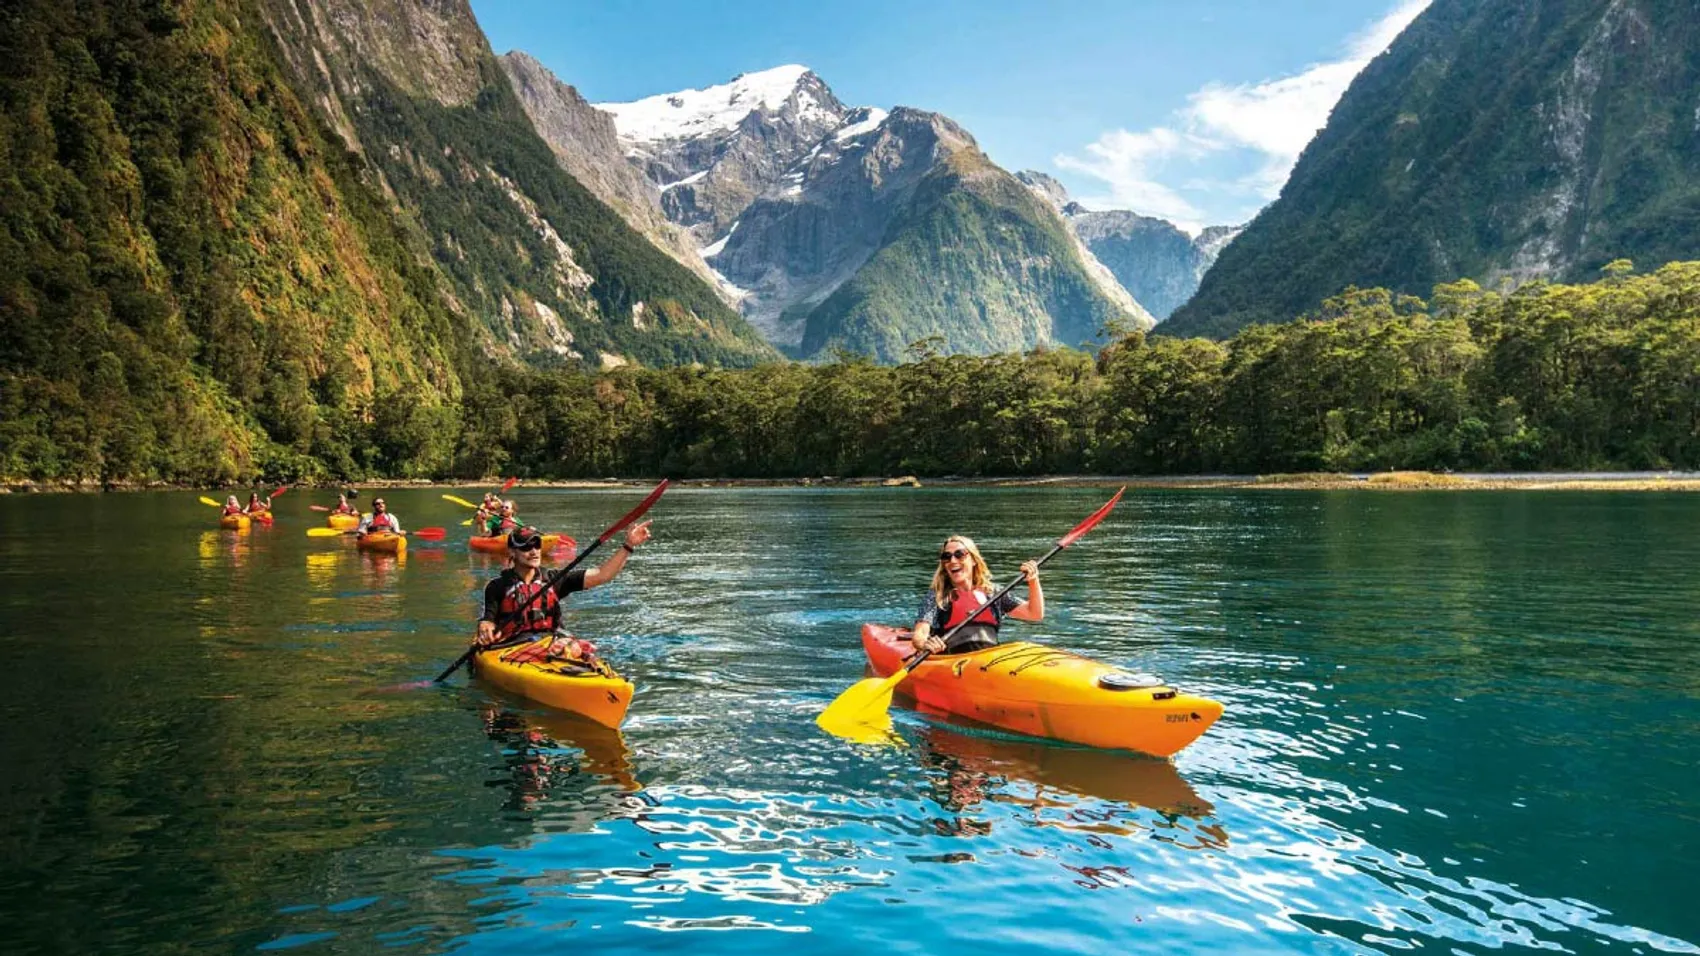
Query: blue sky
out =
(1192, 110)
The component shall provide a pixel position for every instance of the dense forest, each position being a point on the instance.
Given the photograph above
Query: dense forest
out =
(1602, 375)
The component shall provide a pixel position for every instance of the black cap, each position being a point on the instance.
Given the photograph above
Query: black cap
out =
(524, 539)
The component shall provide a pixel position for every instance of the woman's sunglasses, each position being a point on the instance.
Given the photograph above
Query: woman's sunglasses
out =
(959, 554)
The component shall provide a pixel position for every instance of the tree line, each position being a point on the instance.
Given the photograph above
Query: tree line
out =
(1593, 376)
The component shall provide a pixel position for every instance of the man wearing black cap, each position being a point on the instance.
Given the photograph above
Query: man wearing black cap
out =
(515, 587)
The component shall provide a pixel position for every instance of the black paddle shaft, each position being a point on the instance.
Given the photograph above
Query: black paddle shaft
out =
(918, 658)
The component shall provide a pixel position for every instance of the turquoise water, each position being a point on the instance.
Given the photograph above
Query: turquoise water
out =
(1456, 722)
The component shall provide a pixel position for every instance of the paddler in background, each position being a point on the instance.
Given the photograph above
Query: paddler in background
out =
(256, 506)
(232, 506)
(343, 507)
(503, 521)
(379, 520)
(962, 583)
(523, 578)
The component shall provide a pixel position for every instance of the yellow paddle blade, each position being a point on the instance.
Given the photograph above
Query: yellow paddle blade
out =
(459, 501)
(467, 521)
(862, 713)
(324, 532)
(208, 501)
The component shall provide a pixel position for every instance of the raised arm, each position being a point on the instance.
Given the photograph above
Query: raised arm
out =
(610, 569)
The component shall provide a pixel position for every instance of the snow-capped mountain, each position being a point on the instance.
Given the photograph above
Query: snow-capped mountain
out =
(712, 152)
(863, 228)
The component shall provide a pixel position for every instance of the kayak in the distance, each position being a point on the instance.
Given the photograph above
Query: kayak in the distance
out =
(498, 543)
(343, 522)
(235, 522)
(592, 690)
(1043, 692)
(385, 541)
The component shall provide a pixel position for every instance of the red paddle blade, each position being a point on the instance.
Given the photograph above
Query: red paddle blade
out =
(1091, 521)
(635, 513)
(429, 534)
(508, 484)
(280, 490)
(318, 507)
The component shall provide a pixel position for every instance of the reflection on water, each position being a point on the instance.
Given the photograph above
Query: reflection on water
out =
(1456, 723)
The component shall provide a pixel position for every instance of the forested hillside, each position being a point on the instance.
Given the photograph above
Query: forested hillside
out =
(194, 284)
(1496, 140)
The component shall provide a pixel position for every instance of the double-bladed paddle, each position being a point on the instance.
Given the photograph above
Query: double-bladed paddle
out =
(866, 705)
(555, 578)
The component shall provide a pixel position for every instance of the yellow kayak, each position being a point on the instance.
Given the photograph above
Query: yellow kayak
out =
(386, 541)
(234, 522)
(603, 697)
(343, 522)
(1042, 692)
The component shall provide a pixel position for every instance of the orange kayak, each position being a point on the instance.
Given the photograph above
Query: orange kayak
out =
(260, 517)
(386, 541)
(498, 543)
(1036, 690)
(343, 522)
(234, 522)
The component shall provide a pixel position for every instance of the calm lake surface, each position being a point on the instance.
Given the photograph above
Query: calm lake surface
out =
(1456, 723)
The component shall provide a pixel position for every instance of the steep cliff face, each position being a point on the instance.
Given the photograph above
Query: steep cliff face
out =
(533, 256)
(194, 282)
(1496, 140)
(585, 141)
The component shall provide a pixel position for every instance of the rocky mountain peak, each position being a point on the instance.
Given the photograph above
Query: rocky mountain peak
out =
(1152, 258)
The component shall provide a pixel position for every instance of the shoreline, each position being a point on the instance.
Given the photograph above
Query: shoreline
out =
(1309, 481)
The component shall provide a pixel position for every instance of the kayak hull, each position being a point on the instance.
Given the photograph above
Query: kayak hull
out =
(498, 543)
(1041, 692)
(343, 522)
(234, 522)
(387, 542)
(601, 698)
(261, 517)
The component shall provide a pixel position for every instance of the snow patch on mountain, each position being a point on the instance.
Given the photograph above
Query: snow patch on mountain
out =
(868, 120)
(690, 113)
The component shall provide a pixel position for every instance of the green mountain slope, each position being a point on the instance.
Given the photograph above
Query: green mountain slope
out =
(1496, 139)
(194, 284)
(531, 254)
(974, 258)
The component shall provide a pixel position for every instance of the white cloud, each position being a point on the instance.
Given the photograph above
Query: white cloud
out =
(1273, 121)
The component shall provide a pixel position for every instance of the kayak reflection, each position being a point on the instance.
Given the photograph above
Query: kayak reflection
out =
(1117, 786)
(536, 741)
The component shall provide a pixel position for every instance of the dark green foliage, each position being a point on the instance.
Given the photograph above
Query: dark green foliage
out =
(1555, 377)
(194, 285)
(1496, 140)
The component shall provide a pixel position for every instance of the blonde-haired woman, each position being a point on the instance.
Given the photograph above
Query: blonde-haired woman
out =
(961, 584)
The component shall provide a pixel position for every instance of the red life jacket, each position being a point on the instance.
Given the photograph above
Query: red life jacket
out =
(380, 522)
(964, 601)
(982, 631)
(541, 615)
(232, 509)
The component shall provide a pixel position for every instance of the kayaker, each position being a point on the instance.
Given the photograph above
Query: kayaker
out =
(502, 522)
(962, 583)
(511, 589)
(379, 520)
(232, 506)
(256, 506)
(343, 507)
